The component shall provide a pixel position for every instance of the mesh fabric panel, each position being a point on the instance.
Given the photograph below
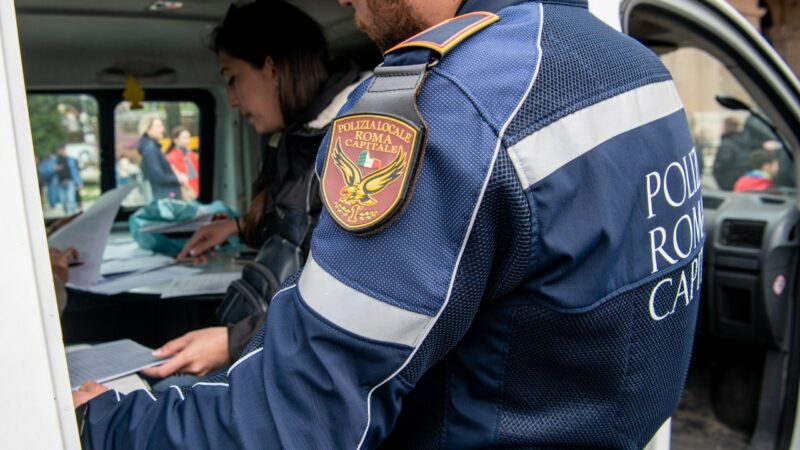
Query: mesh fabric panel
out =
(496, 96)
(605, 378)
(291, 280)
(583, 62)
(420, 268)
(494, 261)
(421, 420)
(500, 241)
(255, 343)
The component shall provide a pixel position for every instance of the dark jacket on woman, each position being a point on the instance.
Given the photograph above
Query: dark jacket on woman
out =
(292, 205)
(157, 170)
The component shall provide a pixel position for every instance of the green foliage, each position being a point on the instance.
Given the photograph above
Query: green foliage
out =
(46, 126)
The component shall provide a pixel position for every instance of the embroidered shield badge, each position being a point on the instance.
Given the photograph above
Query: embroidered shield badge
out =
(369, 169)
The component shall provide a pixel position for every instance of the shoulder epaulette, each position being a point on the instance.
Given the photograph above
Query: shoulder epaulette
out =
(446, 35)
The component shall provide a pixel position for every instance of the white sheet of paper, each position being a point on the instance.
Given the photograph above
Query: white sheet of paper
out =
(124, 251)
(141, 264)
(88, 234)
(208, 283)
(127, 282)
(120, 239)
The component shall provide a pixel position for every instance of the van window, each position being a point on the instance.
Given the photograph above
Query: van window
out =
(739, 150)
(157, 148)
(65, 133)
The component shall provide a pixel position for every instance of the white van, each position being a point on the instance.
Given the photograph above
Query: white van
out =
(67, 62)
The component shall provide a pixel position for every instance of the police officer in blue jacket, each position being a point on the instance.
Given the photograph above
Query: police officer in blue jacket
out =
(510, 253)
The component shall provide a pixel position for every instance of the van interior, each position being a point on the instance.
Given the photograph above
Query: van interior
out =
(86, 62)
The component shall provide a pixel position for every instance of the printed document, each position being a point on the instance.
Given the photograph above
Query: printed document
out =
(88, 234)
(108, 361)
(140, 264)
(205, 284)
(122, 283)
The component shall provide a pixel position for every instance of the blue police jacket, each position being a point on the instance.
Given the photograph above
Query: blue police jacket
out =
(539, 289)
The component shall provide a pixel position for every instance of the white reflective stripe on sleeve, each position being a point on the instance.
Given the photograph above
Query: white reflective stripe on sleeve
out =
(180, 392)
(244, 358)
(356, 312)
(555, 145)
(203, 383)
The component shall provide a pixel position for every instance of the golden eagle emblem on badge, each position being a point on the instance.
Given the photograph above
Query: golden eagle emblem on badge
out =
(370, 162)
(359, 189)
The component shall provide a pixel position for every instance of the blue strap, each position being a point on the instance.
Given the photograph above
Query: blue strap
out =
(468, 6)
(438, 40)
(486, 5)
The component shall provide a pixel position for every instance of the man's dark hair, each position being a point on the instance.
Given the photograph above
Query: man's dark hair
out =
(759, 157)
(292, 39)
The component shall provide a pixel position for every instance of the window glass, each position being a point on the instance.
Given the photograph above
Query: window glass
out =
(65, 141)
(157, 150)
(739, 150)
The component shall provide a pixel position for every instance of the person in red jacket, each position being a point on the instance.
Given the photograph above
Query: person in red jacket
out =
(184, 162)
(764, 166)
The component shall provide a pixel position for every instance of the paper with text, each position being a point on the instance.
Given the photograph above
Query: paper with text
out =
(206, 284)
(88, 234)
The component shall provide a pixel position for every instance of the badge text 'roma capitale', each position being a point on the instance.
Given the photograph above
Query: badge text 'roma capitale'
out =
(370, 161)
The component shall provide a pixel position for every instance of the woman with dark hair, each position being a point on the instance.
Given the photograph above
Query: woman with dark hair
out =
(278, 76)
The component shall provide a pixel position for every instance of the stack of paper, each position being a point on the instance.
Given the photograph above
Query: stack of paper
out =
(118, 267)
(108, 361)
(126, 282)
(206, 284)
(124, 250)
(88, 234)
(127, 266)
(138, 264)
(123, 265)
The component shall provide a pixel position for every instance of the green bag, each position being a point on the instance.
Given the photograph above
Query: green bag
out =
(166, 211)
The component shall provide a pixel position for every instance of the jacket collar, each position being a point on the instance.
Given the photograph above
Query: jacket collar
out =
(468, 6)
(343, 73)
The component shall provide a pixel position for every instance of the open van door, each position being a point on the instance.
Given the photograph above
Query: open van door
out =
(37, 407)
(746, 368)
(739, 97)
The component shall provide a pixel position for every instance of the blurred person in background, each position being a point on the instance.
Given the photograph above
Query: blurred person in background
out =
(764, 167)
(69, 180)
(157, 170)
(185, 163)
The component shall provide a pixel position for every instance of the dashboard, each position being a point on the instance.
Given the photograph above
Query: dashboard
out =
(750, 266)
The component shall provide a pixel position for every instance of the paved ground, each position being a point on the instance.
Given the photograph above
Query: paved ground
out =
(695, 425)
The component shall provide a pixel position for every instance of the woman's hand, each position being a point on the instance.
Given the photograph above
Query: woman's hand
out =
(206, 238)
(59, 262)
(197, 352)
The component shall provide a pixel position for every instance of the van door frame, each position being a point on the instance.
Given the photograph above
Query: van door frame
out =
(37, 408)
(779, 90)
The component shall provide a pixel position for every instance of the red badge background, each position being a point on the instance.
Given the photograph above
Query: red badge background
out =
(333, 181)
